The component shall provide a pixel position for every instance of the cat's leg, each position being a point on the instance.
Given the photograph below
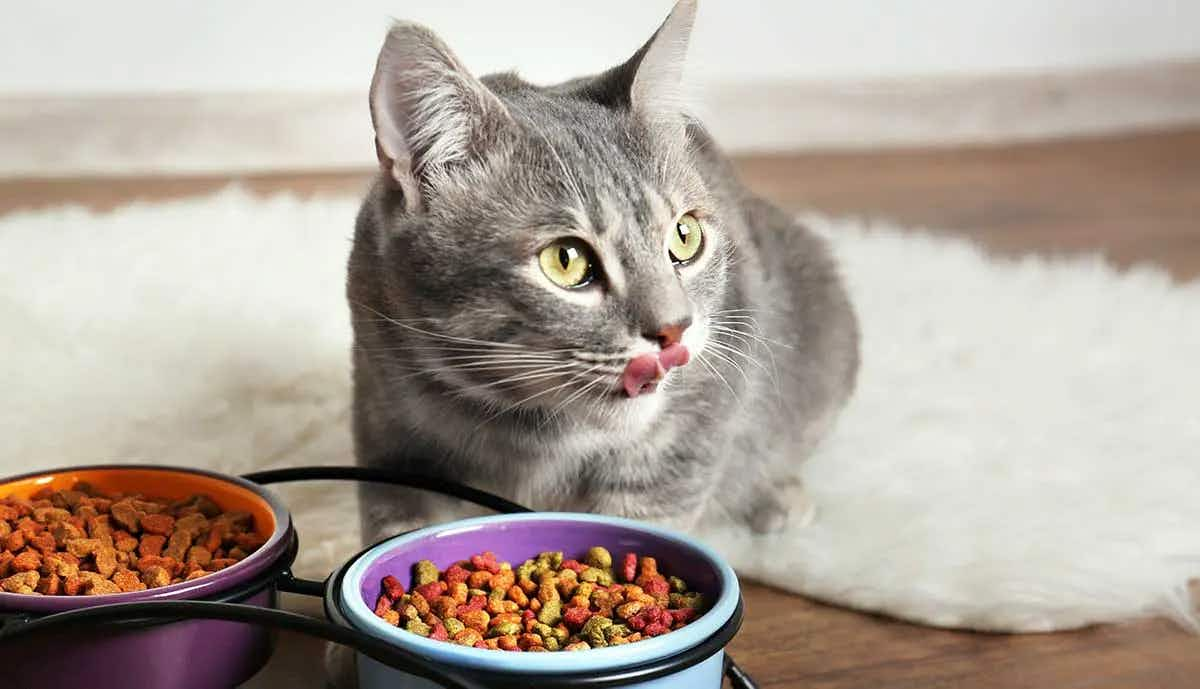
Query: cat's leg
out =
(780, 504)
(680, 510)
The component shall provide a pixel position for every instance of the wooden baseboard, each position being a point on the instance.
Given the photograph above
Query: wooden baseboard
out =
(269, 132)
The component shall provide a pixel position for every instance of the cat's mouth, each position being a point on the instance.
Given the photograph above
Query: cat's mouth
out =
(644, 371)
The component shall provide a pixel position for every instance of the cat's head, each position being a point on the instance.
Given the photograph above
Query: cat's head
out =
(546, 251)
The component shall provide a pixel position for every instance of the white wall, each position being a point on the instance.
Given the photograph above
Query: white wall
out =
(127, 46)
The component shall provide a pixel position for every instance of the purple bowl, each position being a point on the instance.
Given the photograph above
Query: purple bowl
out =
(515, 538)
(194, 654)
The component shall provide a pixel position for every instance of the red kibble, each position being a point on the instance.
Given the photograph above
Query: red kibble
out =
(383, 605)
(456, 575)
(683, 615)
(439, 632)
(476, 603)
(392, 588)
(629, 567)
(576, 617)
(656, 586)
(649, 615)
(431, 590)
(574, 565)
(486, 562)
(656, 629)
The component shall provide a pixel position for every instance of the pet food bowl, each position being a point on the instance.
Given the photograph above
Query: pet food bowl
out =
(689, 658)
(150, 654)
(214, 632)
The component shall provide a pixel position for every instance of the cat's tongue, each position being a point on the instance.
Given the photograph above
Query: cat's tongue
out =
(643, 372)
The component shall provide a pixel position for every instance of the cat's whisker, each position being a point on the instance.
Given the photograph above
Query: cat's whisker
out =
(440, 336)
(530, 398)
(754, 334)
(700, 359)
(747, 336)
(472, 368)
(756, 341)
(734, 351)
(520, 378)
(510, 357)
(575, 395)
(716, 351)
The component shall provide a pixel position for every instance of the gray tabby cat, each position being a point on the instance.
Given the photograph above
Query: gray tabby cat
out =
(564, 295)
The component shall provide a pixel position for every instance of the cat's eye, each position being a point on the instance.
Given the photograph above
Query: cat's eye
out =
(687, 239)
(568, 263)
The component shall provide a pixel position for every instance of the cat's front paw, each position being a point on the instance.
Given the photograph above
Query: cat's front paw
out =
(775, 511)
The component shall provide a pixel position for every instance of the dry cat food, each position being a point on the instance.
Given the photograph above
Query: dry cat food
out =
(83, 542)
(546, 604)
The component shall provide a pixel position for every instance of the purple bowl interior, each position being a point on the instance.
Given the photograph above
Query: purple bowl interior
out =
(518, 541)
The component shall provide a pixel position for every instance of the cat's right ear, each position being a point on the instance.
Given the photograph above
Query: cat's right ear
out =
(429, 112)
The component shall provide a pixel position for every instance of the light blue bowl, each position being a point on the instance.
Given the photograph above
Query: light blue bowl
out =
(517, 537)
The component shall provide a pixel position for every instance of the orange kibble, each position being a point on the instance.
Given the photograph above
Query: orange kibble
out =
(480, 580)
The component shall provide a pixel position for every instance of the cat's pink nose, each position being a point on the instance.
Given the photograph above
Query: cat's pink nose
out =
(643, 371)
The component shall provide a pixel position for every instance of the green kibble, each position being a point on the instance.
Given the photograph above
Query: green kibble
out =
(453, 626)
(677, 585)
(596, 576)
(504, 629)
(599, 558)
(551, 560)
(550, 643)
(418, 627)
(424, 572)
(593, 630)
(551, 612)
(686, 600)
(525, 571)
(616, 630)
(497, 594)
(471, 593)
(543, 630)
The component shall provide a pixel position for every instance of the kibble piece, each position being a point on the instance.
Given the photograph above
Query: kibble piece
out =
(599, 558)
(151, 544)
(27, 561)
(105, 558)
(49, 585)
(156, 576)
(22, 582)
(127, 580)
(126, 515)
(15, 541)
(178, 544)
(199, 555)
(96, 585)
(424, 572)
(82, 547)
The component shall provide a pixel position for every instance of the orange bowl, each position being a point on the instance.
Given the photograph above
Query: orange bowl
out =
(271, 521)
(169, 483)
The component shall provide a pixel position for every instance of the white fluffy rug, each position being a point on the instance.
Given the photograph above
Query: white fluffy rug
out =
(1023, 452)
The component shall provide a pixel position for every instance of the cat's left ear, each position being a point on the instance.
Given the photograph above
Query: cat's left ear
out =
(429, 112)
(650, 84)
(656, 93)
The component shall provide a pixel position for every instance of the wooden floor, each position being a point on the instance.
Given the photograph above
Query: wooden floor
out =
(1135, 198)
